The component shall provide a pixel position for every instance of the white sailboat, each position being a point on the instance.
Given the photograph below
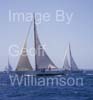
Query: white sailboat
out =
(8, 68)
(69, 63)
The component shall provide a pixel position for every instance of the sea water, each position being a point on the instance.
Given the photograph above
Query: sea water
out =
(52, 91)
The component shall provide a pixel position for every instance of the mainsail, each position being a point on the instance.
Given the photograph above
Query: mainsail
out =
(24, 63)
(69, 63)
(42, 60)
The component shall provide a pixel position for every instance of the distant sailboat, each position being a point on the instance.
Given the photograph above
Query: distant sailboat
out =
(24, 63)
(42, 60)
(9, 67)
(69, 63)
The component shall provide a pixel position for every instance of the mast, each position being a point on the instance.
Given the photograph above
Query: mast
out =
(70, 56)
(35, 31)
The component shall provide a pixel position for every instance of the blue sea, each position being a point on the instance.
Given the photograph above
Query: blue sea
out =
(54, 92)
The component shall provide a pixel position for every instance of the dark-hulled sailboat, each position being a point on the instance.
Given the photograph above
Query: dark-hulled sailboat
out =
(43, 64)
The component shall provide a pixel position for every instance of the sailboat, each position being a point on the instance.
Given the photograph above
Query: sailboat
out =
(8, 68)
(43, 63)
(69, 63)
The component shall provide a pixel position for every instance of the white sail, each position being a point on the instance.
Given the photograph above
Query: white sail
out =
(42, 60)
(69, 63)
(24, 63)
(66, 65)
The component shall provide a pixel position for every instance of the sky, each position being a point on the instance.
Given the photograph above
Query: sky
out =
(75, 27)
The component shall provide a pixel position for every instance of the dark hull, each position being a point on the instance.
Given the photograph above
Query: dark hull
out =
(41, 73)
(44, 73)
(51, 73)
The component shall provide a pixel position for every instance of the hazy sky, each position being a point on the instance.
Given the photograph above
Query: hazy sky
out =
(55, 35)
